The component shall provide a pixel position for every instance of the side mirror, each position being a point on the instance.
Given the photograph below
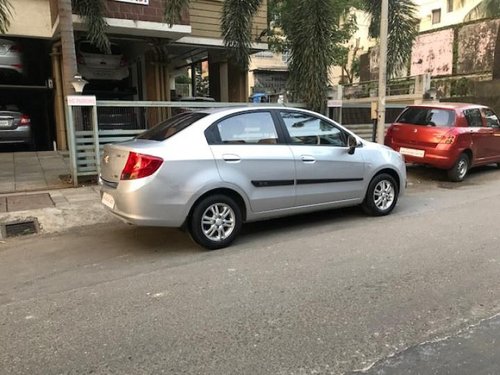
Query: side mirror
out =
(352, 143)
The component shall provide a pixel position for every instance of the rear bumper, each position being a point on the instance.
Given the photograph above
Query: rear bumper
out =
(20, 135)
(442, 156)
(140, 203)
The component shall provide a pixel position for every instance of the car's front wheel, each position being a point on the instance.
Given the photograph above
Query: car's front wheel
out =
(381, 196)
(215, 221)
(458, 172)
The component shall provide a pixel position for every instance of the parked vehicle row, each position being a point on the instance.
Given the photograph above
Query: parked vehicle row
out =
(210, 171)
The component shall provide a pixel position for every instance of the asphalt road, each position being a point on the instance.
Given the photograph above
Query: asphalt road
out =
(328, 293)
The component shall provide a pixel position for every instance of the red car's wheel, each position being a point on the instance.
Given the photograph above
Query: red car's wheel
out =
(458, 172)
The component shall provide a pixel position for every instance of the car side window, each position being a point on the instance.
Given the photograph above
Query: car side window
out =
(305, 129)
(474, 118)
(248, 128)
(491, 118)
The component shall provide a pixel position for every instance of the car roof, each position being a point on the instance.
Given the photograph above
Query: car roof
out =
(196, 99)
(241, 108)
(447, 105)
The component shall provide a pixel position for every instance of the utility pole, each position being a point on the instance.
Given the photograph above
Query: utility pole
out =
(382, 74)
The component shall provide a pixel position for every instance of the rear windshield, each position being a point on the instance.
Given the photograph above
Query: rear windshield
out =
(174, 125)
(427, 116)
(9, 107)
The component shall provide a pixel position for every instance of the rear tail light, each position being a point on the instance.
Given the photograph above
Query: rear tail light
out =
(447, 140)
(25, 120)
(140, 165)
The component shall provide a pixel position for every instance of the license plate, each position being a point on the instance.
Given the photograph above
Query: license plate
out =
(412, 152)
(4, 123)
(108, 200)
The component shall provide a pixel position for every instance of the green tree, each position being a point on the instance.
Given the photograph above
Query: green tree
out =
(403, 29)
(5, 14)
(314, 36)
(485, 9)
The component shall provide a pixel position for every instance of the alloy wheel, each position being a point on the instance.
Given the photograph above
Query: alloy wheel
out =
(218, 222)
(383, 195)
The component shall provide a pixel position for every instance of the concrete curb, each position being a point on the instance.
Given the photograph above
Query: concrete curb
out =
(72, 208)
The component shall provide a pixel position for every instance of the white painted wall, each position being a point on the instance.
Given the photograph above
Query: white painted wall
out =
(460, 10)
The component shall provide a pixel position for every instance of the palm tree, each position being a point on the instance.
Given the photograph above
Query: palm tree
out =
(403, 29)
(485, 9)
(5, 13)
(236, 28)
(314, 37)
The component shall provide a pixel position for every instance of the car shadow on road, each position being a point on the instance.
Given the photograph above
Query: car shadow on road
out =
(423, 176)
(155, 240)
(299, 226)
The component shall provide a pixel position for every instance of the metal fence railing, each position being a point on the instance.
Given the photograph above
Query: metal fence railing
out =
(92, 124)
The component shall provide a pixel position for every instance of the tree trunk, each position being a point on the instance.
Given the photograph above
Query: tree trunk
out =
(69, 68)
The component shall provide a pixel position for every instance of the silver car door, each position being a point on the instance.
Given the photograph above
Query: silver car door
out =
(326, 172)
(249, 155)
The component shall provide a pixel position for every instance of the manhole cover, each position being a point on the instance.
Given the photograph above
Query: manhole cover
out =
(21, 228)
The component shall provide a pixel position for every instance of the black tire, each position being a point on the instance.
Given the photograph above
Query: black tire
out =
(458, 172)
(200, 232)
(384, 187)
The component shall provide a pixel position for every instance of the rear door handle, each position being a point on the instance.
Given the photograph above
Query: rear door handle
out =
(231, 158)
(308, 159)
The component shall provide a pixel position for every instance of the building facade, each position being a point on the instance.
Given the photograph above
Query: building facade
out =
(153, 53)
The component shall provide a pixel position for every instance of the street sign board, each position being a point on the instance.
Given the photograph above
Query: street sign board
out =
(81, 100)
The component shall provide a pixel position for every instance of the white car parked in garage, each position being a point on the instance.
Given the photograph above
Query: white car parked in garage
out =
(94, 64)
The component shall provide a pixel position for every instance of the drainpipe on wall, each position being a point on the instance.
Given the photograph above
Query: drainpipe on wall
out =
(59, 98)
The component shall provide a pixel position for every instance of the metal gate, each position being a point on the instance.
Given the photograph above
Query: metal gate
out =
(93, 123)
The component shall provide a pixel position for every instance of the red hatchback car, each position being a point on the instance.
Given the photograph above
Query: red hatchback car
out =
(450, 136)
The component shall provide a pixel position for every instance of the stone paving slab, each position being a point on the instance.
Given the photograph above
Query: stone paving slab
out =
(31, 171)
(28, 202)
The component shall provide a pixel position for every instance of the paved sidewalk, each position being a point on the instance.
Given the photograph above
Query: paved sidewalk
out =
(55, 210)
(31, 171)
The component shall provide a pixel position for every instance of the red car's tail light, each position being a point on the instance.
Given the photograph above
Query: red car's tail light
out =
(140, 165)
(447, 140)
(25, 120)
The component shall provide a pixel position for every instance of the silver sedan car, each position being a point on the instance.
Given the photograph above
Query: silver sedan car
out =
(212, 170)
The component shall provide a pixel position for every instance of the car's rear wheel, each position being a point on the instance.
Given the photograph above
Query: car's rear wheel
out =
(381, 196)
(458, 172)
(215, 222)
